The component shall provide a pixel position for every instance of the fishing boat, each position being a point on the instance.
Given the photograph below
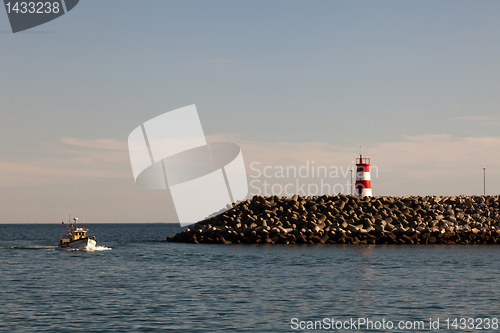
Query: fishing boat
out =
(76, 238)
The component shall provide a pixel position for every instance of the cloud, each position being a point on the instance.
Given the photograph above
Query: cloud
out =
(110, 144)
(66, 162)
(54, 172)
(414, 164)
(424, 164)
(475, 118)
(221, 62)
(411, 155)
(437, 154)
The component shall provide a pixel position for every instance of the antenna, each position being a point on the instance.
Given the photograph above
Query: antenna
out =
(352, 184)
(484, 181)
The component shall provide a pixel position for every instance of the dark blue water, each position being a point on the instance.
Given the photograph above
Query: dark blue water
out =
(143, 285)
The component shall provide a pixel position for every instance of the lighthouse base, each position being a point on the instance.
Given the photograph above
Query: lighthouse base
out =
(363, 192)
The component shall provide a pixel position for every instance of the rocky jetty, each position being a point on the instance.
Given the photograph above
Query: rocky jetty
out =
(345, 219)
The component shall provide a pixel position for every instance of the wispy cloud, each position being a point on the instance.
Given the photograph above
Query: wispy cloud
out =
(111, 144)
(55, 172)
(475, 118)
(435, 153)
(423, 160)
(221, 61)
(69, 161)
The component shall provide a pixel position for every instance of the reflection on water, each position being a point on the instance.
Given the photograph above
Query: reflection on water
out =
(363, 273)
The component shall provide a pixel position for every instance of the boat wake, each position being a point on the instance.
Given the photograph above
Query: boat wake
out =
(30, 247)
(52, 248)
(102, 248)
(91, 249)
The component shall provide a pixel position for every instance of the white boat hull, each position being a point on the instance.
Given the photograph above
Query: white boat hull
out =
(86, 244)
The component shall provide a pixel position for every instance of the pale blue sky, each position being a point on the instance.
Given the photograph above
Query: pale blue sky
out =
(341, 73)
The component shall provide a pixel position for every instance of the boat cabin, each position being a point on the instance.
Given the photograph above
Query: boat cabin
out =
(74, 233)
(79, 233)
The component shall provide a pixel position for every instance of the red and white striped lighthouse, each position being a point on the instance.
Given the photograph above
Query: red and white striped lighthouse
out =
(363, 187)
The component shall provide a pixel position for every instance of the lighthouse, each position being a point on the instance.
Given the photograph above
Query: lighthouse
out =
(363, 185)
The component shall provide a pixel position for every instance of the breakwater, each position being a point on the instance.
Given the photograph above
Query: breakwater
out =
(345, 219)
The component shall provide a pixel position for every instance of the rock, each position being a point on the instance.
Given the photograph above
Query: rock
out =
(347, 219)
(315, 239)
(352, 228)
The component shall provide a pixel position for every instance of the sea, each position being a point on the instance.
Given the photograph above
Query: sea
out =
(134, 282)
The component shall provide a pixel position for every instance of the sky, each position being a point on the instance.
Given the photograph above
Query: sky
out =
(293, 83)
